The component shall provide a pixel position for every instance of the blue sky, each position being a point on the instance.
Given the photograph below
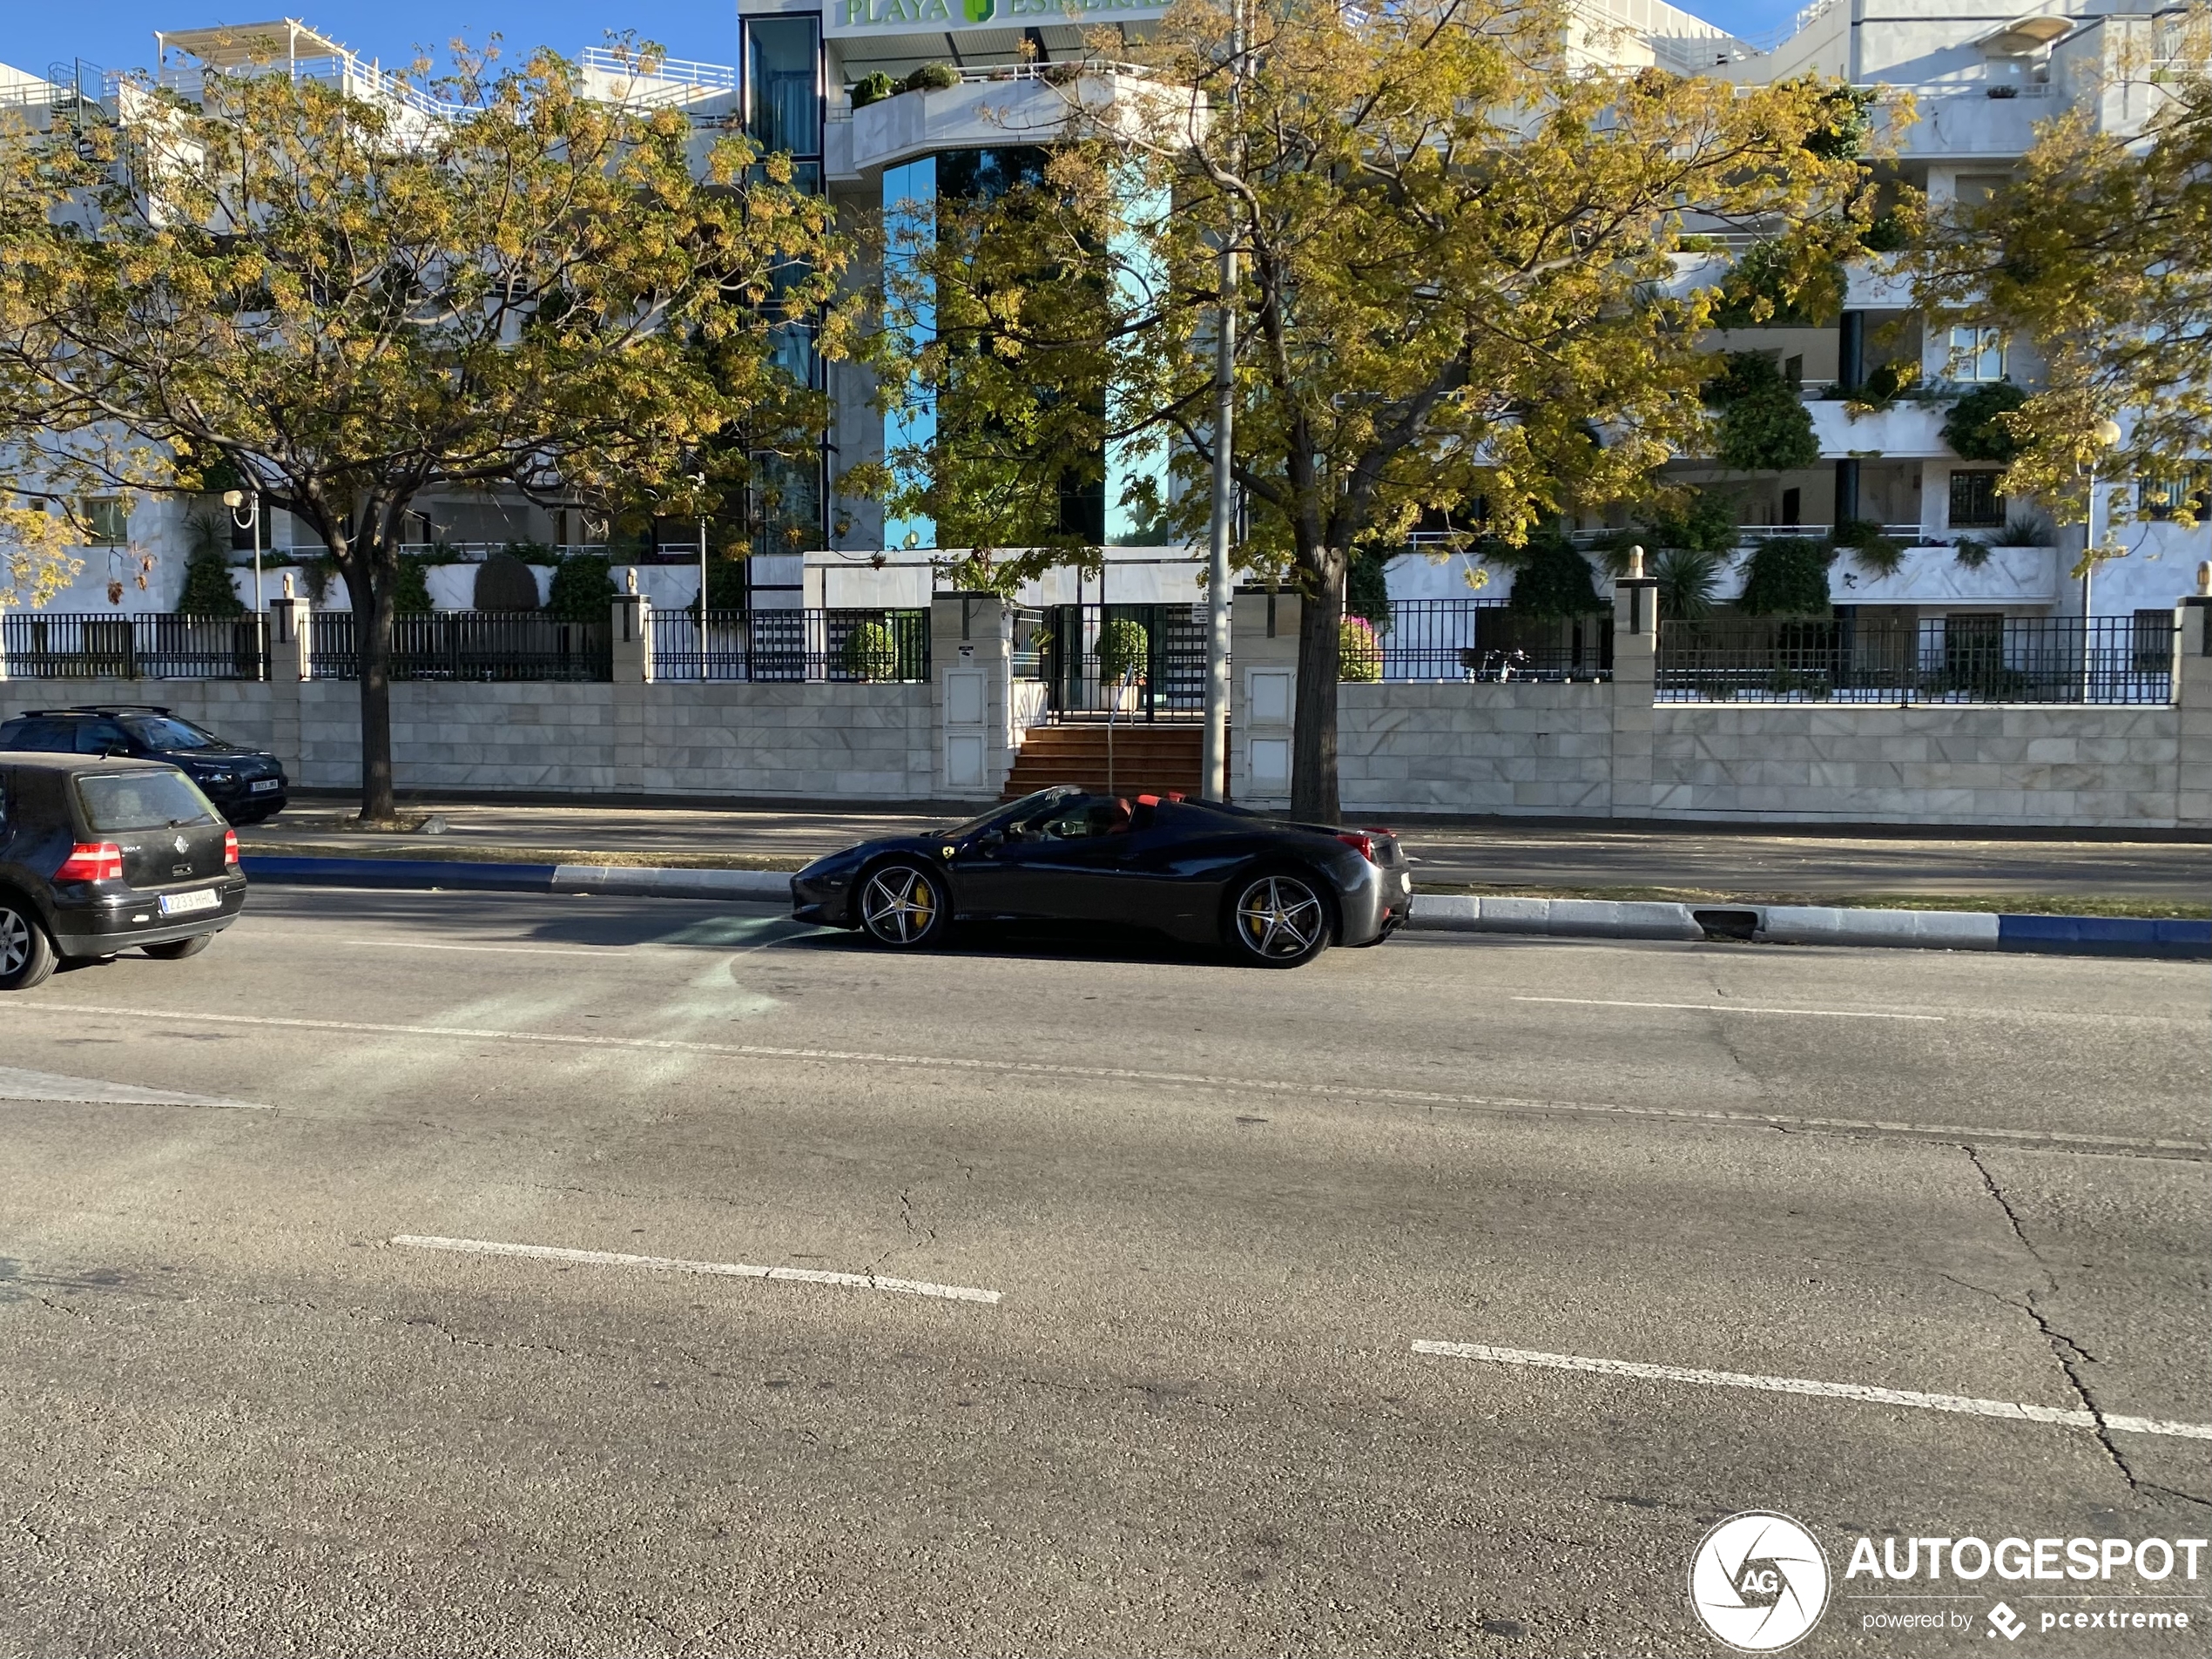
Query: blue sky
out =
(119, 34)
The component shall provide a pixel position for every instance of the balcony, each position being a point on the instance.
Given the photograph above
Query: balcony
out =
(1018, 105)
(1932, 576)
(1904, 431)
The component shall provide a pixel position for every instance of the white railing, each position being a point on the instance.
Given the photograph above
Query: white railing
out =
(614, 61)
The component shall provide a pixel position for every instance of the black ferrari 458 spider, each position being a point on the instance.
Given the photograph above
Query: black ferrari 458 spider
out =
(1277, 894)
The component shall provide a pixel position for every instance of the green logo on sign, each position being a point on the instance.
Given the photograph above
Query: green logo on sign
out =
(979, 10)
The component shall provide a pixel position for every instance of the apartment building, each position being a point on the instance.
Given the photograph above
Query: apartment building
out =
(808, 79)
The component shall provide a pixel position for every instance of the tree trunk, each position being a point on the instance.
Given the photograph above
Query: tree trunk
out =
(1313, 732)
(373, 647)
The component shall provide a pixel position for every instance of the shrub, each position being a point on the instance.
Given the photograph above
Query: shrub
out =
(1367, 587)
(1788, 577)
(1972, 553)
(1872, 552)
(2027, 529)
(1359, 658)
(1124, 649)
(871, 653)
(1706, 524)
(208, 591)
(1553, 579)
(582, 589)
(931, 77)
(1687, 576)
(411, 594)
(505, 582)
(1973, 428)
(1765, 425)
(1774, 286)
(873, 88)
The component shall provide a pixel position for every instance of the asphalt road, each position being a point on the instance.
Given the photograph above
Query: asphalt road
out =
(1218, 1207)
(1724, 860)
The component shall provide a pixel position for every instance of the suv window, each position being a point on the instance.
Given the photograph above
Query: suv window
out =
(98, 737)
(167, 731)
(116, 802)
(28, 731)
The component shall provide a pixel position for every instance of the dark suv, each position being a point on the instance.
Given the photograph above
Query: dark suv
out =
(246, 785)
(99, 855)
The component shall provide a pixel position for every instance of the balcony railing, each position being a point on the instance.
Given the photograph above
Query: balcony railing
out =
(850, 646)
(1487, 639)
(60, 645)
(1955, 660)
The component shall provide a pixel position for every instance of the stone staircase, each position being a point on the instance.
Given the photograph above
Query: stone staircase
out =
(1147, 758)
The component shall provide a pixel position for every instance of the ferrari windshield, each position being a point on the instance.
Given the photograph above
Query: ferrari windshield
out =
(1014, 811)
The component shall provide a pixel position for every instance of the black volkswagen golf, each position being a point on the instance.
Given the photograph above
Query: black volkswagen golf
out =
(101, 855)
(246, 785)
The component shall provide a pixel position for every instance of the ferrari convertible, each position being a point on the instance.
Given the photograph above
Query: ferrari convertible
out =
(1277, 894)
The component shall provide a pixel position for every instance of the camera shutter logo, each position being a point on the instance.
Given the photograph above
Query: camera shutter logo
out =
(1758, 1581)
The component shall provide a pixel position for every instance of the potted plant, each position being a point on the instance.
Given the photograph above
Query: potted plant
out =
(1124, 658)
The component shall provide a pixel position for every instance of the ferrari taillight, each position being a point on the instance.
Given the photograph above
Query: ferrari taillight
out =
(1359, 841)
(92, 861)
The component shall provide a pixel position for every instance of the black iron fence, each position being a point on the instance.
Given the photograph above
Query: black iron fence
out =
(1138, 662)
(863, 647)
(54, 645)
(1941, 659)
(468, 645)
(1486, 639)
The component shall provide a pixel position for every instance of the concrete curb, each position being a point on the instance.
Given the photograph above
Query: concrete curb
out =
(1443, 912)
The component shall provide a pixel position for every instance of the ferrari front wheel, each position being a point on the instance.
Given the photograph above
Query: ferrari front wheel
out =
(905, 905)
(1279, 921)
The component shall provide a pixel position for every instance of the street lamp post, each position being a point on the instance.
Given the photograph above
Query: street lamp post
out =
(234, 499)
(2105, 436)
(1214, 757)
(699, 478)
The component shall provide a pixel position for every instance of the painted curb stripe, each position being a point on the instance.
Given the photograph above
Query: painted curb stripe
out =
(673, 1264)
(1962, 1404)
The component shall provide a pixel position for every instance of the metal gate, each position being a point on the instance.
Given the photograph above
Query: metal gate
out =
(1133, 662)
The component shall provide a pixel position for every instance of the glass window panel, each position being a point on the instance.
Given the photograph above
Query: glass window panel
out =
(784, 62)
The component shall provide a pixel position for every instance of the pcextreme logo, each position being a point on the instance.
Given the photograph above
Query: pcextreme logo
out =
(1758, 1581)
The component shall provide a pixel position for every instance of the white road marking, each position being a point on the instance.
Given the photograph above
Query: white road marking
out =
(1961, 1403)
(503, 950)
(16, 1084)
(1355, 1092)
(1737, 1008)
(728, 1270)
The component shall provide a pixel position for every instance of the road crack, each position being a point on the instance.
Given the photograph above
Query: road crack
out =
(2070, 1354)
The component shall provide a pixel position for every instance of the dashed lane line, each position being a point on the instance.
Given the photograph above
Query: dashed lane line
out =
(1964, 1403)
(674, 1265)
(1355, 1092)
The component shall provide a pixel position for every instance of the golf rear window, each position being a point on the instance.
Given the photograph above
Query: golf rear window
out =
(118, 801)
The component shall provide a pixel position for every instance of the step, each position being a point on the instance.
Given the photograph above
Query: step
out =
(1145, 759)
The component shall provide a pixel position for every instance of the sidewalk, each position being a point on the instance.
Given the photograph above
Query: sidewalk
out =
(1692, 864)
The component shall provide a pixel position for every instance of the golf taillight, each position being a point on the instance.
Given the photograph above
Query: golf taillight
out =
(1359, 841)
(230, 847)
(92, 861)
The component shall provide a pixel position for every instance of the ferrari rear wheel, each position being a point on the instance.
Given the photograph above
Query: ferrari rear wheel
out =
(1279, 921)
(905, 905)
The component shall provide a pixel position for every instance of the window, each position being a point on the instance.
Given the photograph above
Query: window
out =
(1976, 503)
(118, 802)
(2185, 488)
(166, 731)
(783, 61)
(39, 736)
(100, 736)
(109, 521)
(1977, 354)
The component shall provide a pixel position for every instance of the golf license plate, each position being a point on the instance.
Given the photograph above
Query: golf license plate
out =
(183, 904)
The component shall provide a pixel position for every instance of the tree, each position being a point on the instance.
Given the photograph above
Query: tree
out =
(1458, 291)
(352, 302)
(208, 589)
(2100, 249)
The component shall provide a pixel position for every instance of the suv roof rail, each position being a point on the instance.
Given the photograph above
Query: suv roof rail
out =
(101, 708)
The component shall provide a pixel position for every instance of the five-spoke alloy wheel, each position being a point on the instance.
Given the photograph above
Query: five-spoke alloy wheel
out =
(905, 905)
(1279, 921)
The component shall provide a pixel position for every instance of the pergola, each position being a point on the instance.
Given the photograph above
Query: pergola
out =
(249, 46)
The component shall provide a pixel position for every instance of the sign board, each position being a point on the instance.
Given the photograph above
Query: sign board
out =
(849, 17)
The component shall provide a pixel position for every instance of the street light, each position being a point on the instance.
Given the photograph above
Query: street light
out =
(1213, 772)
(234, 499)
(699, 478)
(2105, 434)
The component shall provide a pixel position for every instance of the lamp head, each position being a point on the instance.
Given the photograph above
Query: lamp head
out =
(233, 498)
(2107, 433)
(1635, 564)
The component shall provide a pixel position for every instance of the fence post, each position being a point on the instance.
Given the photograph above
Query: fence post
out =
(633, 624)
(1263, 696)
(1635, 653)
(288, 666)
(971, 654)
(2193, 702)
